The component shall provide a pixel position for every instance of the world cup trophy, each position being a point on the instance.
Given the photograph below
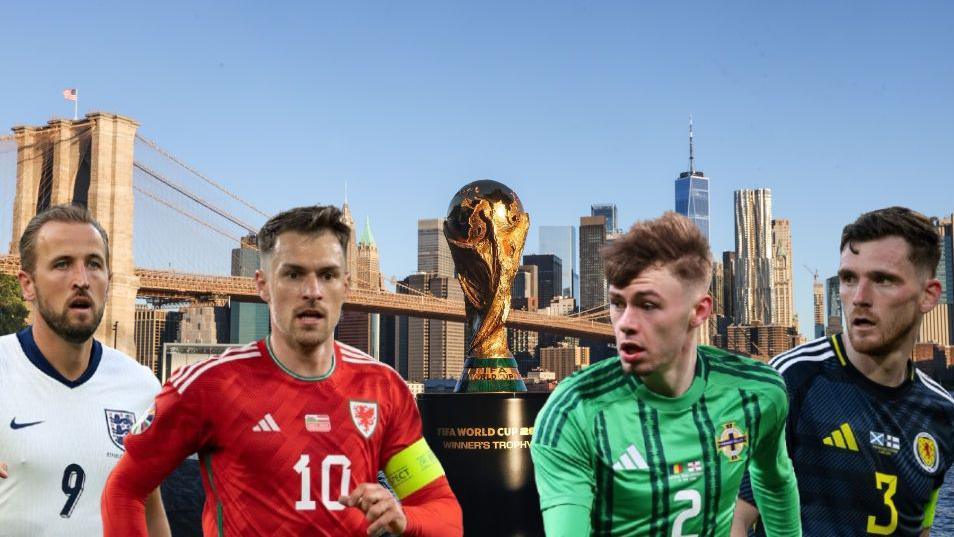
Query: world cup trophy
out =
(486, 228)
(482, 433)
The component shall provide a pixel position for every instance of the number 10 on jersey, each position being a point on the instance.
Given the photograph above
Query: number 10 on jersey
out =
(332, 504)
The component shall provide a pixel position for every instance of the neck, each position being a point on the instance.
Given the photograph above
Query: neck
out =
(69, 359)
(676, 378)
(889, 369)
(303, 361)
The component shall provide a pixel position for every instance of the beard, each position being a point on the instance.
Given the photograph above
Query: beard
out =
(893, 336)
(75, 332)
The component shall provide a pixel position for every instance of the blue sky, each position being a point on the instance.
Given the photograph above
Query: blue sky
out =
(838, 108)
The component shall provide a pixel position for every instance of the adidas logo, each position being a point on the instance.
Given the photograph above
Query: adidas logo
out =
(842, 438)
(266, 425)
(631, 460)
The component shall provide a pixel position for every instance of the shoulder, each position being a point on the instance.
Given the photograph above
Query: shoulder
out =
(365, 368)
(598, 381)
(800, 364)
(935, 394)
(214, 368)
(578, 396)
(747, 373)
(125, 367)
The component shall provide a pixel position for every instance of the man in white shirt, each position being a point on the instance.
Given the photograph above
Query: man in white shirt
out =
(66, 400)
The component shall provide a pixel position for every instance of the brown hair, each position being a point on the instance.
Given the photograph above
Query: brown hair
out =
(313, 219)
(671, 239)
(57, 213)
(912, 226)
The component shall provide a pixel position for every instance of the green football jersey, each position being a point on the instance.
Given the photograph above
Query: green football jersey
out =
(643, 464)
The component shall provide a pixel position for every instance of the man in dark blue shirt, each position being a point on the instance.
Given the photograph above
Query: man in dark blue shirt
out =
(870, 436)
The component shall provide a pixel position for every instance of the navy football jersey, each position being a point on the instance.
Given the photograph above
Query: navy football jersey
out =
(869, 459)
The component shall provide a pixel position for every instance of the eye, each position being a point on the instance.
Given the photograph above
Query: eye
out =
(292, 274)
(847, 279)
(648, 306)
(618, 304)
(94, 264)
(328, 276)
(61, 264)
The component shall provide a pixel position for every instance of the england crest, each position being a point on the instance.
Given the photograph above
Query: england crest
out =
(364, 414)
(119, 423)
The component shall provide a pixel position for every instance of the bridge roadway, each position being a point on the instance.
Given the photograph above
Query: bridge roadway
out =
(178, 285)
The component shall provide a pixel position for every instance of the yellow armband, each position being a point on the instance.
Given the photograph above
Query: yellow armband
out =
(412, 469)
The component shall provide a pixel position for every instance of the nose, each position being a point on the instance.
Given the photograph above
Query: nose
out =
(861, 294)
(627, 323)
(311, 288)
(80, 276)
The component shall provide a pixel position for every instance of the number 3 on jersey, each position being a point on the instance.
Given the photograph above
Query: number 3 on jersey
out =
(889, 484)
(306, 503)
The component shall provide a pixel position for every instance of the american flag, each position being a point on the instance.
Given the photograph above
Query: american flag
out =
(69, 94)
(317, 423)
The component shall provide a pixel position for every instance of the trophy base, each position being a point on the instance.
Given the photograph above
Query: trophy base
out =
(483, 443)
(490, 375)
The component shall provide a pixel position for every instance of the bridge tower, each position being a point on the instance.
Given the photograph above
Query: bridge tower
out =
(88, 162)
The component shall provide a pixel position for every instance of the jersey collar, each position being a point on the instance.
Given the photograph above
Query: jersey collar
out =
(682, 402)
(880, 390)
(334, 363)
(32, 352)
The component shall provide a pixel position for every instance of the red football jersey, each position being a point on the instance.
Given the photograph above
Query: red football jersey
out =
(277, 450)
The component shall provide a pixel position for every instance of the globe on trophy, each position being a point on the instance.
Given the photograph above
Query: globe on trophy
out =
(481, 433)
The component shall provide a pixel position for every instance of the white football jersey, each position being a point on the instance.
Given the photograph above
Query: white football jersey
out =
(60, 439)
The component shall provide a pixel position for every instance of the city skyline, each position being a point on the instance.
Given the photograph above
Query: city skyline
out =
(837, 110)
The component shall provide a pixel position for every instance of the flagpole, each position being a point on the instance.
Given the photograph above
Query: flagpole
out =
(76, 106)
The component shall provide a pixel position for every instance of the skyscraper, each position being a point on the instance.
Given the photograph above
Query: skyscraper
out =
(433, 253)
(248, 321)
(818, 301)
(358, 328)
(945, 267)
(833, 311)
(435, 348)
(692, 192)
(549, 275)
(592, 277)
(753, 248)
(561, 241)
(607, 211)
(782, 309)
(351, 253)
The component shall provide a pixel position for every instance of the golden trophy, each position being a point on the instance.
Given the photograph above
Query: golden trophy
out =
(486, 228)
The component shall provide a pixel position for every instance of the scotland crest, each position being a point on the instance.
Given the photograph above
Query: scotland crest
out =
(364, 414)
(119, 423)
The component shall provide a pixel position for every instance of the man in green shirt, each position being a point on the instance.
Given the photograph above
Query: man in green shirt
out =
(656, 443)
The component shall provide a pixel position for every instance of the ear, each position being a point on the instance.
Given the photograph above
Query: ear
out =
(26, 285)
(930, 295)
(347, 281)
(261, 286)
(700, 311)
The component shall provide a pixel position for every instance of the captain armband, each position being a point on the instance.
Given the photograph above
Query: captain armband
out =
(412, 469)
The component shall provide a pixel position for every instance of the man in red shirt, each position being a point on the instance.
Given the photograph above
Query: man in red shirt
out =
(291, 430)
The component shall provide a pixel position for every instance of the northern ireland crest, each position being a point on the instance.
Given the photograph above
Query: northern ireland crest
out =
(364, 414)
(119, 423)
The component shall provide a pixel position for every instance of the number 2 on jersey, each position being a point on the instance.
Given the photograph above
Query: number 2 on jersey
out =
(306, 503)
(73, 479)
(695, 505)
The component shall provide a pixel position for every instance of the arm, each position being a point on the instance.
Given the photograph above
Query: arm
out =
(746, 515)
(156, 516)
(930, 508)
(564, 474)
(773, 478)
(167, 435)
(566, 521)
(424, 505)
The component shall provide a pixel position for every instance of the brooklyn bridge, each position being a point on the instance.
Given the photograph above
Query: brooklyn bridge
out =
(152, 203)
